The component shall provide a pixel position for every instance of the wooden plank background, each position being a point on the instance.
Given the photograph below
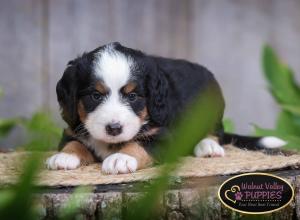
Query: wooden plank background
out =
(38, 38)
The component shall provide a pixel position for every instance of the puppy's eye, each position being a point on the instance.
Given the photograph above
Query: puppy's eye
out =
(96, 96)
(132, 96)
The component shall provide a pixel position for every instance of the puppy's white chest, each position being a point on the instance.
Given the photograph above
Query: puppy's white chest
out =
(100, 148)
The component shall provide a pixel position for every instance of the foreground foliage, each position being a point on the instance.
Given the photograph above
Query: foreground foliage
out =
(286, 92)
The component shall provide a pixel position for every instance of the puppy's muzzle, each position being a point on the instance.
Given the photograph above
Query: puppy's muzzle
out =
(113, 129)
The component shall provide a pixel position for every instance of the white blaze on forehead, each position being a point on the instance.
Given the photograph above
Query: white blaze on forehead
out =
(113, 67)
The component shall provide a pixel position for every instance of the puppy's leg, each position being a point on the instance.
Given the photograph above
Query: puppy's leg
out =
(130, 158)
(72, 156)
(209, 147)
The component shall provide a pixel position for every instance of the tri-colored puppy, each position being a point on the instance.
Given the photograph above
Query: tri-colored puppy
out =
(117, 101)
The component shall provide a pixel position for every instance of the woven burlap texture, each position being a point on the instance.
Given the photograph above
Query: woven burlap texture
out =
(235, 161)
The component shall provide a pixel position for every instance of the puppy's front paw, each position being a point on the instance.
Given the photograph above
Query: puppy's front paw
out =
(63, 161)
(209, 148)
(119, 163)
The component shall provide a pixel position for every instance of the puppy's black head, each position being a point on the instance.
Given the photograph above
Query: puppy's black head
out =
(113, 92)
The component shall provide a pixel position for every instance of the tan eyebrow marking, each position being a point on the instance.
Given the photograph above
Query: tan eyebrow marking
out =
(129, 87)
(101, 87)
(81, 112)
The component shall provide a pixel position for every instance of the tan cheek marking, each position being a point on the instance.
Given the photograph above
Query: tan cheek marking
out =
(137, 151)
(77, 148)
(143, 114)
(129, 87)
(101, 88)
(81, 112)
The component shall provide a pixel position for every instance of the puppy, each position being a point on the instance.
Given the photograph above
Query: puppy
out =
(118, 101)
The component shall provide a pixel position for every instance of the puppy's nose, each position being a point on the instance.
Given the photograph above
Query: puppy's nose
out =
(113, 129)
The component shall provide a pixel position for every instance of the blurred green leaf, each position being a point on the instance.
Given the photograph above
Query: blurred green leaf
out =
(288, 123)
(228, 125)
(42, 122)
(6, 196)
(281, 79)
(42, 132)
(6, 126)
(292, 109)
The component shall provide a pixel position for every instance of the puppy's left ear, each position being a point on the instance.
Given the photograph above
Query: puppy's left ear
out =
(157, 96)
(66, 90)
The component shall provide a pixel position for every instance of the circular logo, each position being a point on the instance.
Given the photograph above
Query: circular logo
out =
(256, 193)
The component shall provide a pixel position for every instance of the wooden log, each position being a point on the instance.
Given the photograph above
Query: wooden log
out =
(191, 199)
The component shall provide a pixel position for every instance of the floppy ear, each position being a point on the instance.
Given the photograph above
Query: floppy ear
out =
(157, 90)
(66, 90)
